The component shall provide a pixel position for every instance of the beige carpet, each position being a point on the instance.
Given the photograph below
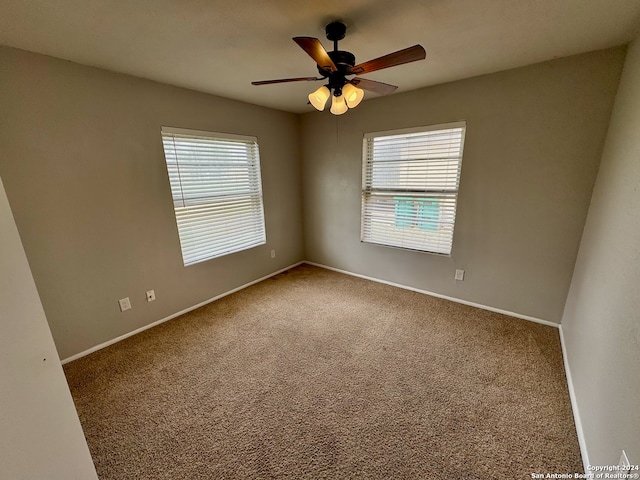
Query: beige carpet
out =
(315, 374)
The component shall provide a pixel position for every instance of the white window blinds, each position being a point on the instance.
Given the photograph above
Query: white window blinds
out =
(410, 187)
(217, 192)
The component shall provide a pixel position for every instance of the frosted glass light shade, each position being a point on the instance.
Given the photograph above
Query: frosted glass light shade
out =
(319, 98)
(352, 95)
(338, 105)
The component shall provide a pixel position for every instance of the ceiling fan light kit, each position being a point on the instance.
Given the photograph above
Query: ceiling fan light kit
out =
(338, 105)
(352, 95)
(337, 65)
(319, 98)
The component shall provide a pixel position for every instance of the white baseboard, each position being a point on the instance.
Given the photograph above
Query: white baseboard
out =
(170, 317)
(445, 297)
(405, 287)
(574, 405)
(572, 394)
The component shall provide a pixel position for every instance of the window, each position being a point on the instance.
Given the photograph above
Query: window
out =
(410, 187)
(217, 192)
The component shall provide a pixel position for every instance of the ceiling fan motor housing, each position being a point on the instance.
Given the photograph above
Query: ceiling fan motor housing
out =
(343, 61)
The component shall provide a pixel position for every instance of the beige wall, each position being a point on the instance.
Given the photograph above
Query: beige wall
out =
(40, 434)
(601, 322)
(82, 162)
(533, 143)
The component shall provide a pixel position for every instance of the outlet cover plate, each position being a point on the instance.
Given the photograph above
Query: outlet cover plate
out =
(125, 304)
(460, 275)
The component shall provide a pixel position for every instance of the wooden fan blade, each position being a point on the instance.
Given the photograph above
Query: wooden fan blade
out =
(315, 50)
(284, 80)
(373, 86)
(411, 54)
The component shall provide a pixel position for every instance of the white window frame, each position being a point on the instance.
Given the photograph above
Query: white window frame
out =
(216, 190)
(428, 187)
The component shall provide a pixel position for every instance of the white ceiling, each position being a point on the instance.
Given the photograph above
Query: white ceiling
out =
(220, 46)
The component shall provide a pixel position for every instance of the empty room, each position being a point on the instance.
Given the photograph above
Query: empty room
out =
(361, 239)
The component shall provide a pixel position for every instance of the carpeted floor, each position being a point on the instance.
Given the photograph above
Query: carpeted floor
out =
(315, 374)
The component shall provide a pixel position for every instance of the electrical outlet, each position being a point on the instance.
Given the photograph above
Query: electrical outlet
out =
(125, 304)
(273, 254)
(460, 275)
(625, 465)
(151, 296)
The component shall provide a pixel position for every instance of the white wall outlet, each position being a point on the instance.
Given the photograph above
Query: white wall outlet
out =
(460, 275)
(151, 296)
(125, 304)
(273, 254)
(625, 465)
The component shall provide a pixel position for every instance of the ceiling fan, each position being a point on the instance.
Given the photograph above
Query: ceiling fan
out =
(337, 65)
